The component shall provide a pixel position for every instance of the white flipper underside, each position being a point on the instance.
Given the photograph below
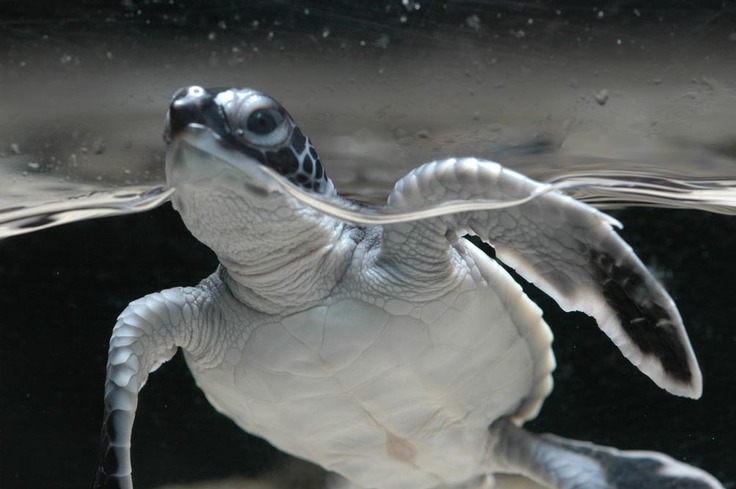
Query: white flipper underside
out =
(566, 248)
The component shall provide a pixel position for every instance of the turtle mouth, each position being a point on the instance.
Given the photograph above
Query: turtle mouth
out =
(197, 157)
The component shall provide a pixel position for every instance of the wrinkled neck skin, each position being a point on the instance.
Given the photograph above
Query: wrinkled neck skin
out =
(276, 255)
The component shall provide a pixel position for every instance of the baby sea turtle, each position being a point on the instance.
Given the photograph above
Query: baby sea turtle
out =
(398, 356)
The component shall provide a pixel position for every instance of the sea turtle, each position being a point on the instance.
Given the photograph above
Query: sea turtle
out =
(398, 356)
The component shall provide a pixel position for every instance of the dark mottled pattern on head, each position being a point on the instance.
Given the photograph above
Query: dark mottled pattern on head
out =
(298, 162)
(295, 158)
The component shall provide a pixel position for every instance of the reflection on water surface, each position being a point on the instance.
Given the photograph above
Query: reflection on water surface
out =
(86, 112)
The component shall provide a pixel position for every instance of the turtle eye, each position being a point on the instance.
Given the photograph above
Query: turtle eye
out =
(255, 119)
(264, 121)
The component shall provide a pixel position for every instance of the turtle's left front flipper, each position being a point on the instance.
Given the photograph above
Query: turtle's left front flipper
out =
(569, 464)
(146, 335)
(566, 248)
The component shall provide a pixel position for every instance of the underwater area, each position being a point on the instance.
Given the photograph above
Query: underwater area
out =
(630, 106)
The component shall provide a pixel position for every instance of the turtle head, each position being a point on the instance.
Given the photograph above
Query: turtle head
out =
(220, 145)
(225, 151)
(246, 129)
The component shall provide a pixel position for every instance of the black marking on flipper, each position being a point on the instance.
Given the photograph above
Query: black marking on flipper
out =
(108, 462)
(648, 325)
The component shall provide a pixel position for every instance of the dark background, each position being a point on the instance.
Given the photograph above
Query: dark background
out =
(61, 289)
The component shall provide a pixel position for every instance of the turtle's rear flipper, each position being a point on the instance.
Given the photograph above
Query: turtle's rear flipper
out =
(568, 464)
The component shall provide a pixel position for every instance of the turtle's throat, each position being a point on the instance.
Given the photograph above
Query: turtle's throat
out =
(292, 272)
(277, 255)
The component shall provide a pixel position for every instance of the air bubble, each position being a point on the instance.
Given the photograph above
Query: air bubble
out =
(473, 21)
(601, 97)
(98, 147)
(382, 41)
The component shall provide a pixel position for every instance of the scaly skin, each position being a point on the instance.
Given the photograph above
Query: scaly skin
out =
(373, 387)
(363, 373)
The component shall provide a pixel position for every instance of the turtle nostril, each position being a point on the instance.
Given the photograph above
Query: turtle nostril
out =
(192, 91)
(189, 98)
(188, 105)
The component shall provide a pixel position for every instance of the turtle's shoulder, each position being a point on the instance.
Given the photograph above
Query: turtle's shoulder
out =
(373, 276)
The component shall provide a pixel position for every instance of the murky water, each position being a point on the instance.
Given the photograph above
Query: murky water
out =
(623, 112)
(84, 119)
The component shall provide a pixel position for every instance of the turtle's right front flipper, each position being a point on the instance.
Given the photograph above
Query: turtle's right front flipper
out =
(569, 464)
(146, 335)
(565, 247)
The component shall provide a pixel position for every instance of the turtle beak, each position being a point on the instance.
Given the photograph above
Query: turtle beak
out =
(196, 158)
(194, 106)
